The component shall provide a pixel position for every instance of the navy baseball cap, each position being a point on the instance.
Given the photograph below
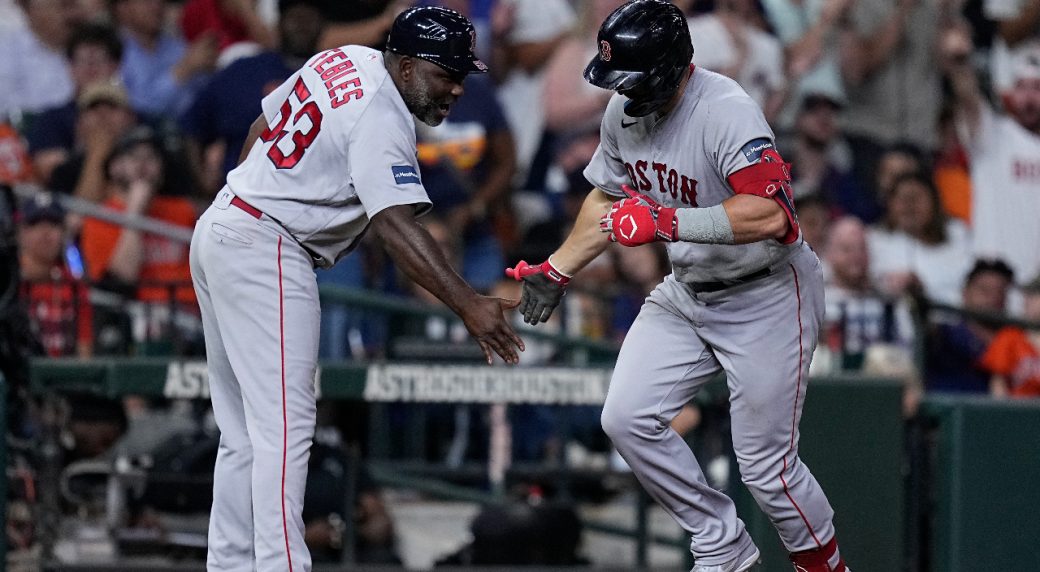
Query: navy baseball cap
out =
(438, 35)
(41, 207)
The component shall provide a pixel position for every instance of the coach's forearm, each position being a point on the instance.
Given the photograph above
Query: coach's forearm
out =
(586, 241)
(418, 255)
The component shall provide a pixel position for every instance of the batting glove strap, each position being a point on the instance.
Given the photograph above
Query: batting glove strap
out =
(523, 270)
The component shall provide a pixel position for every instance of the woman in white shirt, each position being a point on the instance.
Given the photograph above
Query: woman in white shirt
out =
(917, 246)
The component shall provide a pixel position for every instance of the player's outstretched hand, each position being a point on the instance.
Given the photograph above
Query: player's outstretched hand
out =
(543, 288)
(486, 321)
(639, 220)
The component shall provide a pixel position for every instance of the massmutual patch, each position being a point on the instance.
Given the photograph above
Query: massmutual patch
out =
(405, 175)
(753, 149)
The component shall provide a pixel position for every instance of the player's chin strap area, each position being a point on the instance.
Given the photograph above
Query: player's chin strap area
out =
(769, 178)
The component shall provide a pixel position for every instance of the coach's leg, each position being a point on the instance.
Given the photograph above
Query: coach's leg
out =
(230, 539)
(265, 301)
(661, 365)
(764, 336)
(281, 415)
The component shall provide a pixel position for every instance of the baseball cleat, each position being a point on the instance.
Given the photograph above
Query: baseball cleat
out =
(747, 561)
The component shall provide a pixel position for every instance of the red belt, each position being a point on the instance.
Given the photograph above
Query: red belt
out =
(253, 211)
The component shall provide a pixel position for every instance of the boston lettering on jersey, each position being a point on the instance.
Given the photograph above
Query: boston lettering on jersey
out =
(336, 70)
(669, 181)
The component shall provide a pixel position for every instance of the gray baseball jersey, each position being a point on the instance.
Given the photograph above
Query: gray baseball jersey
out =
(328, 167)
(684, 161)
(339, 147)
(761, 332)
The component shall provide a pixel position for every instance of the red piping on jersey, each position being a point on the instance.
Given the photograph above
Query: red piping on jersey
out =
(285, 422)
(794, 414)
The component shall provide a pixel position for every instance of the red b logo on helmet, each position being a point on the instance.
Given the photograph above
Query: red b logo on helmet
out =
(604, 50)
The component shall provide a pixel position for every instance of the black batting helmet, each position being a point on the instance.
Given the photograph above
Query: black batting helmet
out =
(438, 35)
(644, 48)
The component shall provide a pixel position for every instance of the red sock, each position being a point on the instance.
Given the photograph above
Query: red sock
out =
(824, 559)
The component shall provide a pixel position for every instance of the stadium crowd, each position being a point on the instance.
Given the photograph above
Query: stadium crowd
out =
(913, 128)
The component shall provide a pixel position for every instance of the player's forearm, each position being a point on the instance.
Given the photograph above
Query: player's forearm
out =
(586, 241)
(755, 218)
(419, 257)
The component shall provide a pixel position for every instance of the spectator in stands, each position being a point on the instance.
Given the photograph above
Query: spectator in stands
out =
(864, 330)
(34, 71)
(893, 84)
(954, 349)
(952, 175)
(227, 105)
(821, 160)
(1004, 153)
(94, 53)
(137, 264)
(104, 116)
(468, 162)
(160, 71)
(917, 248)
(811, 31)
(573, 107)
(896, 160)
(239, 29)
(525, 35)
(1014, 355)
(1017, 23)
(727, 41)
(362, 23)
(814, 218)
(59, 309)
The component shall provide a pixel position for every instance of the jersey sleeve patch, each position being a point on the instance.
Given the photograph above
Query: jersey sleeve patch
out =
(752, 150)
(405, 175)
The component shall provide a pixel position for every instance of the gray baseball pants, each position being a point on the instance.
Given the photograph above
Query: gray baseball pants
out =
(762, 334)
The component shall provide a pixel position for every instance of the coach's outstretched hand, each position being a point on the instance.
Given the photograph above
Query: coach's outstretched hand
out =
(544, 286)
(485, 319)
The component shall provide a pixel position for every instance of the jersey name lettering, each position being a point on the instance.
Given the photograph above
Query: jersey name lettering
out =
(669, 181)
(337, 77)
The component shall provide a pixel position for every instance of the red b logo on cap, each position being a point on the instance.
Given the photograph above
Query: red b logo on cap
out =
(604, 50)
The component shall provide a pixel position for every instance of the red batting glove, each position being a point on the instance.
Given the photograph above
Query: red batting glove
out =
(639, 220)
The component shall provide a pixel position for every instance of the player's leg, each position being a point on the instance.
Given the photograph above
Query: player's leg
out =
(264, 285)
(661, 365)
(764, 336)
(230, 540)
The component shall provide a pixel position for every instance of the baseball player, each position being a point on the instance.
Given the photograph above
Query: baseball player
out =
(696, 159)
(332, 155)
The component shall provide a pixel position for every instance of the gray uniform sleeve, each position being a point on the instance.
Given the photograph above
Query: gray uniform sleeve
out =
(384, 168)
(736, 135)
(606, 170)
